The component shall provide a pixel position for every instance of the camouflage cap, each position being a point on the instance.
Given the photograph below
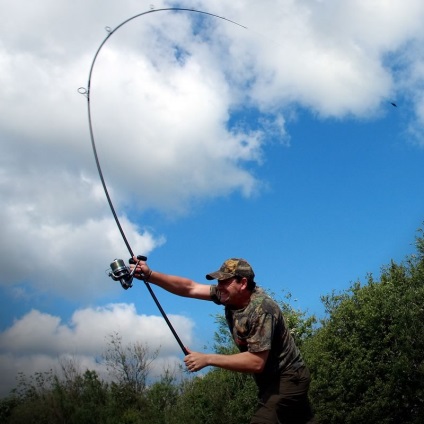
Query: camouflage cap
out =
(231, 268)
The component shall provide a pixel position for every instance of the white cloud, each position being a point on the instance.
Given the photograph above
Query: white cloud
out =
(37, 341)
(327, 56)
(64, 245)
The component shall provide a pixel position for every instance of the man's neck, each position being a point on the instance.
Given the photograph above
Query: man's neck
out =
(243, 301)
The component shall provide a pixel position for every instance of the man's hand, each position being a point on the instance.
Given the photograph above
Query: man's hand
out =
(142, 270)
(195, 361)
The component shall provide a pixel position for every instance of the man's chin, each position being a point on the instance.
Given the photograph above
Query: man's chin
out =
(228, 303)
(224, 299)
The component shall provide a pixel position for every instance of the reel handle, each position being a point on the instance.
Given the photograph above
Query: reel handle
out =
(139, 257)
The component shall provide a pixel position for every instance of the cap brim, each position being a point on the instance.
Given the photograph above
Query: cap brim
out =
(219, 275)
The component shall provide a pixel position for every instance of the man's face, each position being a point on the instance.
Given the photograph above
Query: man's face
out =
(229, 290)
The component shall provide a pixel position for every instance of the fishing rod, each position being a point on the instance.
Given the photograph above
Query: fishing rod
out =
(119, 270)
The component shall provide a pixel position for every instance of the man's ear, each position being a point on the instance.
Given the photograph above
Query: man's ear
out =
(243, 281)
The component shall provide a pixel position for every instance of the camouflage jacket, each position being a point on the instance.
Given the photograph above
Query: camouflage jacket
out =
(261, 326)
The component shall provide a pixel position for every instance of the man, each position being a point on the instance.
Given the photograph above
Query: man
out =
(267, 349)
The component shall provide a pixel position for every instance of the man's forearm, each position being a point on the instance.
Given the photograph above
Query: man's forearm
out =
(180, 286)
(240, 362)
(172, 283)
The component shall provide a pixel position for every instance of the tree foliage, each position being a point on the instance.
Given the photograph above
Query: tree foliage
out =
(367, 357)
(74, 397)
(45, 398)
(130, 364)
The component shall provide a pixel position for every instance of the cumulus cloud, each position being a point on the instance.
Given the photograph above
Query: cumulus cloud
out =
(38, 341)
(64, 246)
(333, 58)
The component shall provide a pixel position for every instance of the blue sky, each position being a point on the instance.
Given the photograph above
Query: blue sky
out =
(278, 144)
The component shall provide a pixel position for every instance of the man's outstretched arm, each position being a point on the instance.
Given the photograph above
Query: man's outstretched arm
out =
(180, 286)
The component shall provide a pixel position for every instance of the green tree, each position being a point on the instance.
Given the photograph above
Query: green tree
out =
(27, 401)
(218, 397)
(161, 398)
(129, 364)
(46, 398)
(367, 357)
(75, 397)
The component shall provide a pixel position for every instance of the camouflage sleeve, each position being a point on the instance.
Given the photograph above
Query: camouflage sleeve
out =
(261, 332)
(215, 295)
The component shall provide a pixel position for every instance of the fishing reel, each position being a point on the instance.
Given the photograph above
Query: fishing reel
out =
(121, 272)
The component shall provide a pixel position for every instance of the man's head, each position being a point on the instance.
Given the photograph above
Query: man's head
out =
(234, 267)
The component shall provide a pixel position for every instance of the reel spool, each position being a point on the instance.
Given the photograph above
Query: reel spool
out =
(120, 272)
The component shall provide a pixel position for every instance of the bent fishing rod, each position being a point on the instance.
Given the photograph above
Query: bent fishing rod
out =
(119, 271)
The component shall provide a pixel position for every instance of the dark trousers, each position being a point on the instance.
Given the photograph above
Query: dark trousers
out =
(285, 400)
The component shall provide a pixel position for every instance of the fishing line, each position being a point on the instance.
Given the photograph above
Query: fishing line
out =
(119, 271)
